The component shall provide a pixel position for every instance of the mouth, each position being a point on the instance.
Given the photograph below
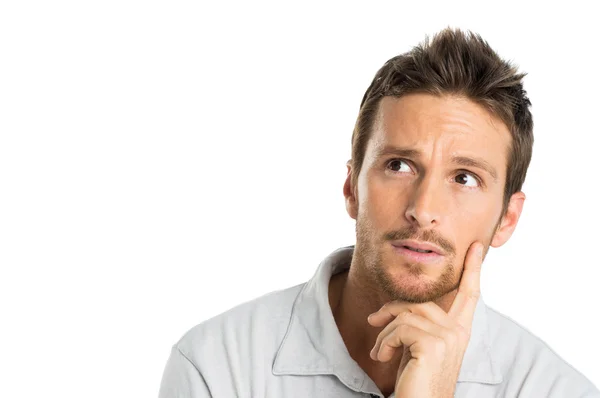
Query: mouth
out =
(418, 250)
(421, 252)
(418, 247)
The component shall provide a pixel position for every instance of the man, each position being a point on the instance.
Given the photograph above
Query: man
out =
(440, 151)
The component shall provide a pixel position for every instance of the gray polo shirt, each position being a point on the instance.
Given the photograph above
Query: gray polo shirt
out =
(286, 344)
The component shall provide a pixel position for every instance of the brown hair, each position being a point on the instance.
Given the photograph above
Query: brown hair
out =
(454, 63)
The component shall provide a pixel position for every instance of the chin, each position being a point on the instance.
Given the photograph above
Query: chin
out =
(408, 281)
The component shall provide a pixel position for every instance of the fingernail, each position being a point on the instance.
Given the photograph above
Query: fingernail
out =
(480, 251)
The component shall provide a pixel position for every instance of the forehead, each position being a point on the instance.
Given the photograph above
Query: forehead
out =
(440, 125)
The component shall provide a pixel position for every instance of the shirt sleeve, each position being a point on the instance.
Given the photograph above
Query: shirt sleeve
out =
(181, 378)
(572, 385)
(592, 393)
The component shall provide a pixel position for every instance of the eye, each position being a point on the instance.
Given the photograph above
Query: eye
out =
(402, 166)
(467, 180)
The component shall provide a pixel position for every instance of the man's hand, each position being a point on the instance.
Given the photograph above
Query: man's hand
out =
(434, 341)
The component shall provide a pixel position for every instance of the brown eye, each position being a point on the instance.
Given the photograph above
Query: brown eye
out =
(466, 180)
(399, 166)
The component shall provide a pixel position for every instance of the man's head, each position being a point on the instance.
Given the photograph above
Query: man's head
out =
(440, 151)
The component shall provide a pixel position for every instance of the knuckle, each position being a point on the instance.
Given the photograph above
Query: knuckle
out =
(388, 341)
(404, 328)
(404, 314)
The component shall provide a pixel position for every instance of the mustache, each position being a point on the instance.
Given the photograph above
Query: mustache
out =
(426, 235)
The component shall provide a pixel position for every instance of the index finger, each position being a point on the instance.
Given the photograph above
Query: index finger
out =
(463, 307)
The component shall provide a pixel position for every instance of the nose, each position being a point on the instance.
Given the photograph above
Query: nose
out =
(425, 205)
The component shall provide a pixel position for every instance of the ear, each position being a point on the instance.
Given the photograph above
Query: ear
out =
(349, 194)
(509, 221)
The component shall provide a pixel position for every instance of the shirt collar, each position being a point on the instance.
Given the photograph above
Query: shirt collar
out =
(313, 345)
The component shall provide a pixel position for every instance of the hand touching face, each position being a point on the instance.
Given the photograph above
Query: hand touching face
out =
(435, 340)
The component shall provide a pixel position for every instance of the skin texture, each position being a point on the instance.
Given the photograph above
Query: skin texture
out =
(424, 195)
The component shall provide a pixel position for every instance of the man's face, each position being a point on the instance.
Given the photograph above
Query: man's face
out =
(434, 172)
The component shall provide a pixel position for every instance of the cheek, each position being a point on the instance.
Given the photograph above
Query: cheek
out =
(383, 204)
(475, 222)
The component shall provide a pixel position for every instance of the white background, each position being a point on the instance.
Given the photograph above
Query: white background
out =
(162, 162)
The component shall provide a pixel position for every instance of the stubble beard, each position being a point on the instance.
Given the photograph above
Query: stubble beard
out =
(369, 256)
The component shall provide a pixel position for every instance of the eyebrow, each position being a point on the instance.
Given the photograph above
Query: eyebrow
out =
(476, 162)
(392, 150)
(459, 160)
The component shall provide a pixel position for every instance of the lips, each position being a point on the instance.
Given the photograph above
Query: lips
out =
(418, 247)
(419, 253)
